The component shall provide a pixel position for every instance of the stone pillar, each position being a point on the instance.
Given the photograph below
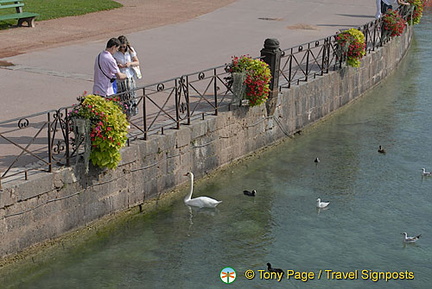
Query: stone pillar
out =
(271, 54)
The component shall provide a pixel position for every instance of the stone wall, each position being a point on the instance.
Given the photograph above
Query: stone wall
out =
(49, 205)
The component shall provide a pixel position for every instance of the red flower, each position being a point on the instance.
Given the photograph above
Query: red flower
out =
(394, 23)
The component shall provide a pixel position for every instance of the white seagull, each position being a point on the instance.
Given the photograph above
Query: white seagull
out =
(408, 239)
(425, 173)
(200, 202)
(320, 204)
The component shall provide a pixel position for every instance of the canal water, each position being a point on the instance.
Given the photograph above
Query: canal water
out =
(373, 199)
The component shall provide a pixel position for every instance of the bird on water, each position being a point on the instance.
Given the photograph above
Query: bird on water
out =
(426, 173)
(271, 269)
(321, 204)
(408, 239)
(250, 193)
(381, 150)
(200, 202)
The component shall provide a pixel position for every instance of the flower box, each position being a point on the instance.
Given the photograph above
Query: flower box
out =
(351, 46)
(255, 75)
(393, 23)
(102, 125)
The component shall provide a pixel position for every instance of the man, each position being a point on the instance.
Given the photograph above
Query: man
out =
(384, 5)
(106, 70)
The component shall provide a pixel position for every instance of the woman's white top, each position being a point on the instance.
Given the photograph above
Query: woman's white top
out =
(123, 58)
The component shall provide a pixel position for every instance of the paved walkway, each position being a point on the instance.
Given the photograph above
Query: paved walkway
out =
(53, 77)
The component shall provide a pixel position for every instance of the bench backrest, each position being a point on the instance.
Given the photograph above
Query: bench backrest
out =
(4, 4)
(11, 1)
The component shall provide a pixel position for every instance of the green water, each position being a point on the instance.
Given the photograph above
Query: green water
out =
(373, 197)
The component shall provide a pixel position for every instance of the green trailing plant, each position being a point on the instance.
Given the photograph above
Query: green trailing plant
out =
(257, 78)
(351, 44)
(108, 128)
(393, 23)
(417, 6)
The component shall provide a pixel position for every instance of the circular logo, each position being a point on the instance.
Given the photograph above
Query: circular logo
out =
(228, 275)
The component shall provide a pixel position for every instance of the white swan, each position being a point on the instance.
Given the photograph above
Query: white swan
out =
(410, 239)
(320, 204)
(200, 202)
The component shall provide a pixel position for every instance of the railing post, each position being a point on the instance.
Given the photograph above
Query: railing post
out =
(177, 92)
(50, 157)
(144, 108)
(186, 94)
(325, 57)
(307, 63)
(271, 54)
(365, 31)
(66, 137)
(290, 70)
(215, 89)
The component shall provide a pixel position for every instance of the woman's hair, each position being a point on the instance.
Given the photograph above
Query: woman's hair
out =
(123, 40)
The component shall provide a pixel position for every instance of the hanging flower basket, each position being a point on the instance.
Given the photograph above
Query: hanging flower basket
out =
(104, 123)
(256, 77)
(417, 6)
(393, 23)
(351, 45)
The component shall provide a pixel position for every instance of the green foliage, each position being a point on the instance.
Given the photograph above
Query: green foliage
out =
(108, 131)
(51, 9)
(258, 76)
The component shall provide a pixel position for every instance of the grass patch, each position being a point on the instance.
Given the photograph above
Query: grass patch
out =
(52, 9)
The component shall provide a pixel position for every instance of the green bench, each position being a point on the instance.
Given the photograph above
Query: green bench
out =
(22, 17)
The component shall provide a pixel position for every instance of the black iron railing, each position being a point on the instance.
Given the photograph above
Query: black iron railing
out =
(316, 58)
(170, 103)
(40, 141)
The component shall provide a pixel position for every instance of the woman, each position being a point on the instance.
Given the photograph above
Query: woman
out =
(126, 59)
(384, 5)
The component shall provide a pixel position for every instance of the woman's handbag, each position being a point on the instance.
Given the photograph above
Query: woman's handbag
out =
(137, 71)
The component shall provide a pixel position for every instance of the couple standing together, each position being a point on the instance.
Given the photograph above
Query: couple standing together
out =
(118, 64)
(384, 5)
